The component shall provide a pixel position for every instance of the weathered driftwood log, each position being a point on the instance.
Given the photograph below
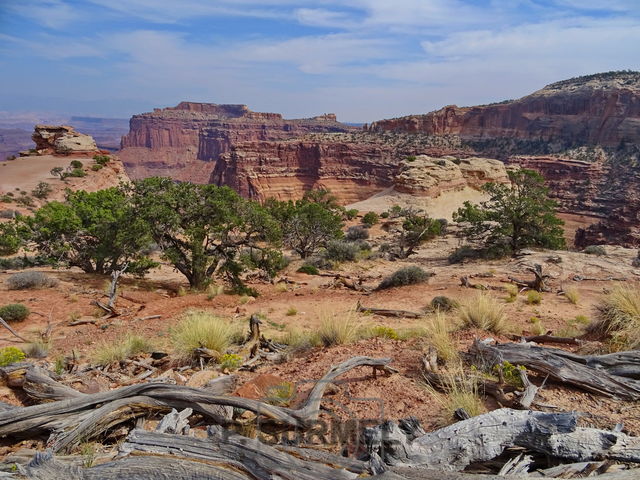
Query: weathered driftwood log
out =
(486, 436)
(548, 338)
(539, 282)
(612, 375)
(389, 313)
(81, 417)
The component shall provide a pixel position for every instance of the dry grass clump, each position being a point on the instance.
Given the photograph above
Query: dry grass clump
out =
(482, 311)
(297, 339)
(438, 331)
(619, 316)
(27, 280)
(37, 349)
(534, 297)
(202, 329)
(121, 349)
(512, 292)
(572, 295)
(457, 390)
(339, 329)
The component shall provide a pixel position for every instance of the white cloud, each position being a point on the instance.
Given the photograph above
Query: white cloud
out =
(55, 14)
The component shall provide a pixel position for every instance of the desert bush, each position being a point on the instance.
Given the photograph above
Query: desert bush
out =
(19, 263)
(351, 213)
(25, 200)
(291, 311)
(444, 225)
(75, 164)
(76, 173)
(338, 329)
(405, 276)
(28, 280)
(340, 251)
(572, 295)
(9, 213)
(438, 331)
(202, 329)
(443, 304)
(534, 297)
(482, 311)
(598, 250)
(619, 316)
(9, 355)
(370, 219)
(121, 349)
(459, 255)
(42, 190)
(230, 361)
(309, 269)
(11, 238)
(509, 373)
(381, 331)
(14, 312)
(357, 232)
(101, 159)
(96, 168)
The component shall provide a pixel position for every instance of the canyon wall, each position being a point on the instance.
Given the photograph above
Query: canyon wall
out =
(595, 110)
(185, 142)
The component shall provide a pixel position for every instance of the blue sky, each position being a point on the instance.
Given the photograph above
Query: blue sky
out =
(362, 59)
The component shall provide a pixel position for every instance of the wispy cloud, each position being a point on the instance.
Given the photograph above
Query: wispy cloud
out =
(364, 58)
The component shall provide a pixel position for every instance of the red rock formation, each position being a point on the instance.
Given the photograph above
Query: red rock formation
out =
(588, 110)
(186, 141)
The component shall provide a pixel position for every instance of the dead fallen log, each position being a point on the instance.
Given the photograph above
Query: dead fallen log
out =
(83, 416)
(611, 375)
(389, 313)
(539, 282)
(548, 338)
(485, 437)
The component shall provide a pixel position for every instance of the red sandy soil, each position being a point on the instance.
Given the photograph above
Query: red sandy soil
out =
(402, 394)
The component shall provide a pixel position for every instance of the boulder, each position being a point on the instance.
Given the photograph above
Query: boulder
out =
(62, 139)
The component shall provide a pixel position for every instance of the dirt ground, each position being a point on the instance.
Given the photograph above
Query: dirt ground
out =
(358, 394)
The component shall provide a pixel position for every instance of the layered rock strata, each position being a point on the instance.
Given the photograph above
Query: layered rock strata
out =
(60, 139)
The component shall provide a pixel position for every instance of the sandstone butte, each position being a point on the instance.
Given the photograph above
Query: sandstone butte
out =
(582, 134)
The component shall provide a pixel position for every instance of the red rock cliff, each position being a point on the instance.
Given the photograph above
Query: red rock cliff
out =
(186, 141)
(600, 109)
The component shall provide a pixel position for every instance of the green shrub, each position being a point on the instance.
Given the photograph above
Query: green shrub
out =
(598, 250)
(9, 355)
(443, 304)
(282, 394)
(230, 361)
(341, 251)
(384, 215)
(96, 167)
(42, 190)
(405, 276)
(101, 159)
(510, 373)
(357, 232)
(370, 219)
(76, 164)
(459, 255)
(381, 331)
(28, 280)
(309, 269)
(351, 213)
(534, 297)
(77, 172)
(14, 312)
